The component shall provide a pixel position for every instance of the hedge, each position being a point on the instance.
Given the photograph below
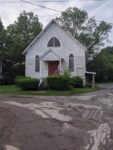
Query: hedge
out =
(58, 82)
(77, 82)
(27, 83)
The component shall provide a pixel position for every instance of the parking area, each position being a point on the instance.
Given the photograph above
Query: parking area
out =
(83, 122)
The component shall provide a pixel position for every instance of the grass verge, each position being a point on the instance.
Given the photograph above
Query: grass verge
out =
(12, 89)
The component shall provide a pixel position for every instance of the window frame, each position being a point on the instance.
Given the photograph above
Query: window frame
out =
(54, 40)
(71, 63)
(37, 63)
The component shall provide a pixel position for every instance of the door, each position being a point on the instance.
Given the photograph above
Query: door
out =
(53, 67)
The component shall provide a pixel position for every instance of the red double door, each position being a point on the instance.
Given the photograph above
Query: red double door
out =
(53, 67)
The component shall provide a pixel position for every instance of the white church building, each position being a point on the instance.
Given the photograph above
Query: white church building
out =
(52, 52)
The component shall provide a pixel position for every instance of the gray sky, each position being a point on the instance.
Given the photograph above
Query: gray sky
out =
(101, 9)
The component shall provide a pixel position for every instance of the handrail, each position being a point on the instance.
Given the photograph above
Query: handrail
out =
(58, 72)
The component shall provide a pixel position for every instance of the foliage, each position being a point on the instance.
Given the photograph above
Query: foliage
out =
(85, 29)
(11, 71)
(27, 83)
(4, 42)
(77, 82)
(67, 74)
(1, 26)
(18, 70)
(22, 32)
(13, 40)
(102, 64)
(58, 82)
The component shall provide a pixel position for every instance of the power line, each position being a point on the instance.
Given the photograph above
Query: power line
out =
(9, 2)
(39, 1)
(40, 6)
(54, 9)
(24, 1)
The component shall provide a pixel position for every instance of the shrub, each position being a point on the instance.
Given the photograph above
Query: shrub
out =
(8, 78)
(67, 73)
(11, 71)
(18, 70)
(76, 82)
(27, 83)
(58, 82)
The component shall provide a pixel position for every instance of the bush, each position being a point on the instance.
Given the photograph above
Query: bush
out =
(67, 73)
(58, 82)
(76, 82)
(27, 83)
(18, 70)
(11, 71)
(8, 78)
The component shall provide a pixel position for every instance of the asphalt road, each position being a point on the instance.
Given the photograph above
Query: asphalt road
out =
(82, 122)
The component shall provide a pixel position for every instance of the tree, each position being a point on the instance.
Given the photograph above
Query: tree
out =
(22, 32)
(1, 38)
(85, 29)
(102, 64)
(72, 20)
(1, 26)
(4, 42)
(14, 40)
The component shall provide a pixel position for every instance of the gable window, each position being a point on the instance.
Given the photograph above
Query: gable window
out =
(53, 42)
(71, 62)
(37, 63)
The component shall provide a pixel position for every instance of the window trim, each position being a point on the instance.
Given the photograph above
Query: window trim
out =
(54, 40)
(71, 63)
(37, 63)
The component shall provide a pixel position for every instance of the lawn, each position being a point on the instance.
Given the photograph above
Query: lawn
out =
(12, 89)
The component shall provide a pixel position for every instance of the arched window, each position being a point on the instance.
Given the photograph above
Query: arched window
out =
(53, 42)
(37, 63)
(71, 62)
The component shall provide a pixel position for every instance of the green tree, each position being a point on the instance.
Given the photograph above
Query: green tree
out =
(22, 32)
(2, 37)
(4, 42)
(87, 31)
(1, 26)
(102, 64)
(14, 40)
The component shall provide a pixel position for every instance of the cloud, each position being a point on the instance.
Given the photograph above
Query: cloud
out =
(102, 10)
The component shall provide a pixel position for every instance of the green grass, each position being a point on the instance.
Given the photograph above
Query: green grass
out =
(12, 89)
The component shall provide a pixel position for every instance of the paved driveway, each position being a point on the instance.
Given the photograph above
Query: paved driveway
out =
(82, 122)
(105, 85)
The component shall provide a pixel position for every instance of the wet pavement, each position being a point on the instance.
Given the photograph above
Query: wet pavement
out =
(83, 122)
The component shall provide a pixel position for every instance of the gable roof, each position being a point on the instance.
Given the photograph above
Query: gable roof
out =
(50, 55)
(43, 31)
